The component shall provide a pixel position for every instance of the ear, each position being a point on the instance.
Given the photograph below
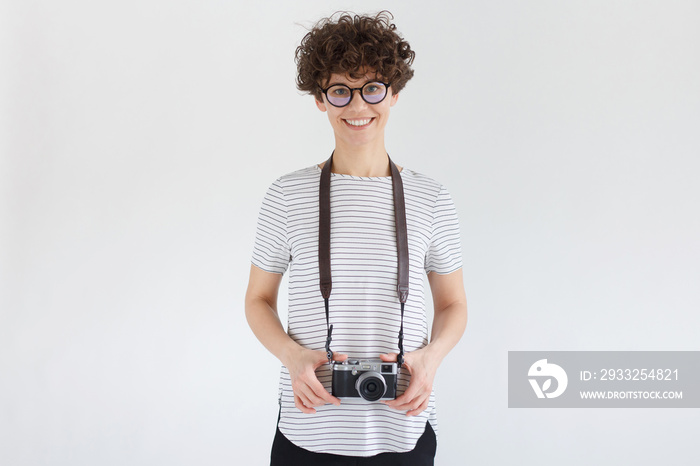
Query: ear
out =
(394, 98)
(321, 105)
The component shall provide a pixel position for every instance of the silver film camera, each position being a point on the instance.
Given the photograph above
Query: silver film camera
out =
(370, 379)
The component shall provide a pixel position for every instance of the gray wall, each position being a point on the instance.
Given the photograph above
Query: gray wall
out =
(137, 141)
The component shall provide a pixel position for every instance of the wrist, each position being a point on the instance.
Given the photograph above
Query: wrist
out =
(290, 352)
(435, 352)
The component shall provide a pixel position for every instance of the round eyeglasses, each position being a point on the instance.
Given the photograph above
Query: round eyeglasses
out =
(340, 95)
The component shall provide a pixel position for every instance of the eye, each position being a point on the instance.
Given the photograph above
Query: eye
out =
(374, 89)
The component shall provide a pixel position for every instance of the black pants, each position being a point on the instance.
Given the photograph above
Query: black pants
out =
(285, 453)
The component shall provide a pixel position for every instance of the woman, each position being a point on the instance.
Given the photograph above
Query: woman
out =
(355, 68)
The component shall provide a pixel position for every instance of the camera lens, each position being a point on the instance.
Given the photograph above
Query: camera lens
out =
(371, 386)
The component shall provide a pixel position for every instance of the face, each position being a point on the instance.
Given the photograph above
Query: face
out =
(358, 110)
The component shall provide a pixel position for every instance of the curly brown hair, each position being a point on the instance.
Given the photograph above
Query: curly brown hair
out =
(346, 46)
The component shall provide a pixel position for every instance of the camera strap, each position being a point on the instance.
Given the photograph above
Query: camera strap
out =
(324, 246)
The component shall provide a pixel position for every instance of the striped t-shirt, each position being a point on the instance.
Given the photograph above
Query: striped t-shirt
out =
(364, 306)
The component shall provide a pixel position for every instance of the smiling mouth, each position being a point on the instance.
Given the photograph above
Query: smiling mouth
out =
(359, 123)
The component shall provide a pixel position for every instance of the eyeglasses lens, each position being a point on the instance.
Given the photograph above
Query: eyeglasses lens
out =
(340, 95)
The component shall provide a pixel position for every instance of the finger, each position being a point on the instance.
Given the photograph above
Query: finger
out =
(410, 398)
(301, 407)
(388, 357)
(304, 400)
(406, 397)
(413, 397)
(406, 404)
(315, 387)
(402, 402)
(320, 391)
(312, 400)
(422, 407)
(311, 390)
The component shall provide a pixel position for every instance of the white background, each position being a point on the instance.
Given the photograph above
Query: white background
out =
(137, 141)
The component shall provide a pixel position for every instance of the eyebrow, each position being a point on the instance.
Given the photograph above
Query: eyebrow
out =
(375, 80)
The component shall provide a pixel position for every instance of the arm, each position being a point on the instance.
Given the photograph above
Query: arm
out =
(450, 319)
(261, 313)
(449, 322)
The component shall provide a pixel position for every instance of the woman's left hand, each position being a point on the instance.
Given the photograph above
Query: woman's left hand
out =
(422, 367)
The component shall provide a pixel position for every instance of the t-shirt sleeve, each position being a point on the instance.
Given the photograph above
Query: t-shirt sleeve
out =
(444, 254)
(271, 251)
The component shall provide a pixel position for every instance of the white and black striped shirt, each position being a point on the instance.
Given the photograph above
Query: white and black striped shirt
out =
(364, 306)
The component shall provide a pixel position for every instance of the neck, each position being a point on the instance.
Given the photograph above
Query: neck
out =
(361, 161)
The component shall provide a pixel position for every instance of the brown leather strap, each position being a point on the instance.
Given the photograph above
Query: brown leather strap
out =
(324, 229)
(324, 245)
(401, 232)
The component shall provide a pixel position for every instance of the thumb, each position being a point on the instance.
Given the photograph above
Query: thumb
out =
(339, 357)
(323, 357)
(388, 357)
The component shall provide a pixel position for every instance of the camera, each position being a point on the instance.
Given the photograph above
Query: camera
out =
(370, 379)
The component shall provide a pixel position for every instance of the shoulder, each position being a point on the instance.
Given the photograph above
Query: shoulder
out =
(419, 182)
(310, 172)
(295, 180)
(302, 175)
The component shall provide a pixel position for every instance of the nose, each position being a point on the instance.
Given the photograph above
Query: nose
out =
(356, 101)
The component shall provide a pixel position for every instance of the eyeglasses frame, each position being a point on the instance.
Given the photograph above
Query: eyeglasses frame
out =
(352, 92)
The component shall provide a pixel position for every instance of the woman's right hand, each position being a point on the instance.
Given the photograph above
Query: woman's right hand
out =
(308, 390)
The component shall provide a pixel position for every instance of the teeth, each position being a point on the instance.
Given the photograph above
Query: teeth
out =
(359, 122)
